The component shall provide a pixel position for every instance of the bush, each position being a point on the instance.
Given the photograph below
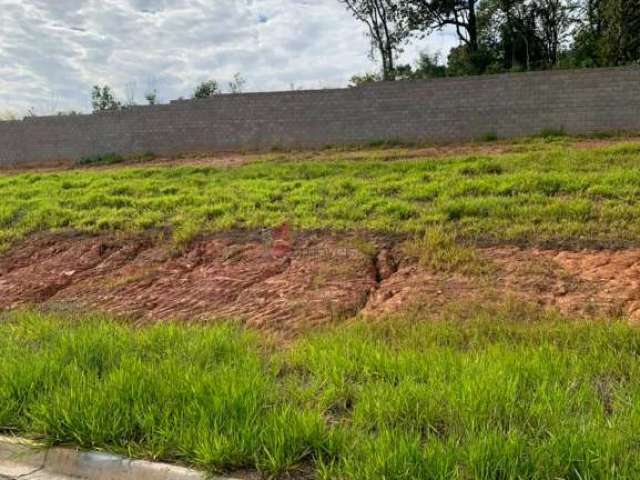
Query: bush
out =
(101, 159)
(552, 132)
(489, 137)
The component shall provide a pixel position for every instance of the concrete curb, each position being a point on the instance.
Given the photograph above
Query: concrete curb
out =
(25, 459)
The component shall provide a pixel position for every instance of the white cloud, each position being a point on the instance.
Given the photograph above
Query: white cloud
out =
(52, 52)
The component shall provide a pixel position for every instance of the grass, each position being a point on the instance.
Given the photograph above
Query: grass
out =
(476, 393)
(543, 190)
(502, 394)
(438, 250)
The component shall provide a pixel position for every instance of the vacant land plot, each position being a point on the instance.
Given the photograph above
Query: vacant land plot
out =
(368, 314)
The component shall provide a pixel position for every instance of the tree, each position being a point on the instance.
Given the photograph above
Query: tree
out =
(206, 89)
(151, 97)
(424, 17)
(526, 34)
(554, 21)
(387, 31)
(620, 37)
(427, 16)
(360, 80)
(237, 84)
(588, 36)
(509, 28)
(103, 99)
(607, 33)
(429, 66)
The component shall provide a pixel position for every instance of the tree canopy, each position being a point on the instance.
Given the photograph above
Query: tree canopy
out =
(103, 99)
(501, 35)
(206, 89)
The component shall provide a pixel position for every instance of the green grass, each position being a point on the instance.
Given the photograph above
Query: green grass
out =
(504, 394)
(544, 190)
(438, 250)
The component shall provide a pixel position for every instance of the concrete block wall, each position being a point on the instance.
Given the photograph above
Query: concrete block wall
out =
(438, 110)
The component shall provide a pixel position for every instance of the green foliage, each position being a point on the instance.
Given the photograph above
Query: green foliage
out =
(101, 159)
(501, 394)
(489, 137)
(151, 96)
(206, 89)
(508, 36)
(103, 99)
(385, 27)
(552, 133)
(544, 190)
(462, 62)
(197, 394)
(114, 158)
(429, 66)
(607, 34)
(237, 84)
(359, 80)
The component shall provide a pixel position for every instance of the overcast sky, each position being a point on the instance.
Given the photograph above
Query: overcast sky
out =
(53, 51)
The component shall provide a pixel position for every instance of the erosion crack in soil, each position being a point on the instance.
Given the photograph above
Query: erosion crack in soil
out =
(287, 284)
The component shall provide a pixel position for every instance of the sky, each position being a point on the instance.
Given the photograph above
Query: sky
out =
(53, 51)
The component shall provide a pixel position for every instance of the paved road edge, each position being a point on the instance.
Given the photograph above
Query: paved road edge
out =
(33, 457)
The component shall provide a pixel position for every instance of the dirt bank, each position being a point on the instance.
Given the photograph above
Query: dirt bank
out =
(281, 282)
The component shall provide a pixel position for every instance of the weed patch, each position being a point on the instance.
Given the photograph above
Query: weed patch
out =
(439, 250)
(532, 396)
(103, 159)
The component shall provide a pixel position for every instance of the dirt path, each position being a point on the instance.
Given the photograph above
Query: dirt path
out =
(237, 159)
(279, 282)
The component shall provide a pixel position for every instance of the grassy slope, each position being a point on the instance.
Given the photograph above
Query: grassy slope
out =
(506, 395)
(545, 190)
(488, 398)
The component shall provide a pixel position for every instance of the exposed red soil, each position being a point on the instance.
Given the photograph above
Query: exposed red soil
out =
(586, 282)
(278, 283)
(283, 283)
